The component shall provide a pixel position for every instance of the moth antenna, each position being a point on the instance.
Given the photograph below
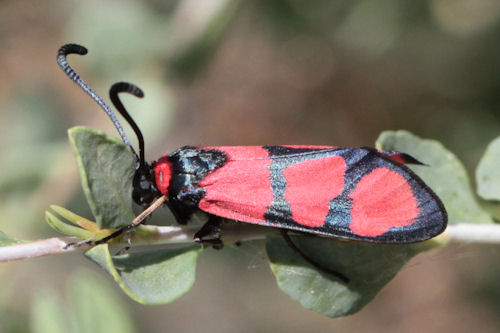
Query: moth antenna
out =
(62, 53)
(136, 91)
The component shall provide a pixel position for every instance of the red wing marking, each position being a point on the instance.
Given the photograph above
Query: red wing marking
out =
(308, 147)
(382, 199)
(241, 188)
(400, 157)
(394, 156)
(310, 185)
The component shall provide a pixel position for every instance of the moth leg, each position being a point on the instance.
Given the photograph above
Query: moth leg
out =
(322, 268)
(210, 233)
(181, 216)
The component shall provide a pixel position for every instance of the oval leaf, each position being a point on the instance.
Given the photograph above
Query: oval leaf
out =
(106, 169)
(368, 266)
(152, 277)
(91, 307)
(488, 172)
(96, 307)
(48, 314)
(445, 174)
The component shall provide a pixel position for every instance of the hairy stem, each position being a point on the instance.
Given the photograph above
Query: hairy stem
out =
(232, 232)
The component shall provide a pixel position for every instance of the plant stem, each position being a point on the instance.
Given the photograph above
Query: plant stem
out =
(473, 233)
(153, 235)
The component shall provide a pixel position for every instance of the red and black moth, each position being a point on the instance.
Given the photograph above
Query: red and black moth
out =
(352, 193)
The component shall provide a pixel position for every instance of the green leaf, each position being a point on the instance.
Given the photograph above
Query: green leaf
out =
(445, 174)
(85, 229)
(368, 266)
(106, 169)
(488, 172)
(75, 219)
(151, 277)
(6, 240)
(96, 307)
(48, 314)
(92, 307)
(66, 228)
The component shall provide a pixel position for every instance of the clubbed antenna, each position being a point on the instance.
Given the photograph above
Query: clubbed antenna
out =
(63, 63)
(136, 91)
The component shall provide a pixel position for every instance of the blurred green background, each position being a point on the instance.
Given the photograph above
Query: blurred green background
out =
(230, 72)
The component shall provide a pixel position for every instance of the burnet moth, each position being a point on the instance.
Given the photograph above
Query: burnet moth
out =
(357, 194)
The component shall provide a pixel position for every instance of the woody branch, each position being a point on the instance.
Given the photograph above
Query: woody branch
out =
(462, 233)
